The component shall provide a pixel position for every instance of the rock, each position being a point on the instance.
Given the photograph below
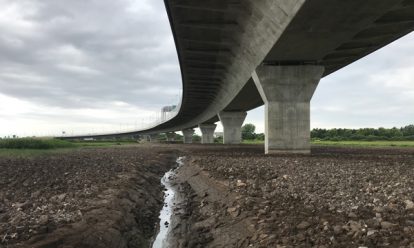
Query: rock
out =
(20, 229)
(43, 220)
(354, 226)
(300, 237)
(240, 183)
(337, 229)
(234, 211)
(303, 225)
(4, 217)
(352, 215)
(392, 207)
(371, 232)
(22, 206)
(409, 205)
(26, 182)
(379, 209)
(58, 198)
(409, 223)
(35, 194)
(387, 225)
(373, 223)
(263, 236)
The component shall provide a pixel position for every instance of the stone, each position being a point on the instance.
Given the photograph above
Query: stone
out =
(387, 225)
(240, 183)
(337, 229)
(35, 194)
(409, 223)
(26, 183)
(303, 225)
(233, 211)
(263, 236)
(22, 206)
(352, 215)
(409, 205)
(371, 232)
(61, 197)
(300, 237)
(43, 220)
(354, 227)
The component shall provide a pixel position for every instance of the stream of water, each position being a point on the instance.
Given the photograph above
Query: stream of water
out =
(167, 209)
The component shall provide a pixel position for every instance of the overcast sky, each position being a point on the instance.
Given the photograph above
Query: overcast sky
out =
(100, 65)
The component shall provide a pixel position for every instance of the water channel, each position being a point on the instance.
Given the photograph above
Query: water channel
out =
(170, 199)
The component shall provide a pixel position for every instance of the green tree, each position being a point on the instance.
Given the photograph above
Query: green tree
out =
(248, 132)
(408, 130)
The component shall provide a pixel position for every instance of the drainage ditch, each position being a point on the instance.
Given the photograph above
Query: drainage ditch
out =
(171, 199)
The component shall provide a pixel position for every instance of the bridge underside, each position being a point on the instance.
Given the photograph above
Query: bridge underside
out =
(221, 43)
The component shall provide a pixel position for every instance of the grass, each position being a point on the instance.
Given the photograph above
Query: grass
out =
(31, 143)
(102, 143)
(380, 143)
(253, 142)
(30, 147)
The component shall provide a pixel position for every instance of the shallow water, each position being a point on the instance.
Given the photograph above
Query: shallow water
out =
(167, 210)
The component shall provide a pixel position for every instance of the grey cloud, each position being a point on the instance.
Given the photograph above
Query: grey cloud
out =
(87, 53)
(111, 52)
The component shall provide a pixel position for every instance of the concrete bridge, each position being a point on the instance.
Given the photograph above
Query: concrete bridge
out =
(236, 55)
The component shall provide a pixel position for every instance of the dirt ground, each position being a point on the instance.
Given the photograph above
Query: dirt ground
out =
(108, 197)
(234, 197)
(336, 197)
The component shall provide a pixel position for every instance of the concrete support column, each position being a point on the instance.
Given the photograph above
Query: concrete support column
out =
(188, 135)
(286, 92)
(152, 137)
(207, 131)
(232, 123)
(170, 136)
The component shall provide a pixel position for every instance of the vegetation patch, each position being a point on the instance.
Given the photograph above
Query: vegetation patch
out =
(32, 143)
(365, 134)
(381, 143)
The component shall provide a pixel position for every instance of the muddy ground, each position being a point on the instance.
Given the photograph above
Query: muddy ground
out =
(108, 197)
(336, 197)
(235, 197)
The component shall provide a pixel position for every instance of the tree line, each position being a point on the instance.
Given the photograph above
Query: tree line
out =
(368, 134)
(339, 134)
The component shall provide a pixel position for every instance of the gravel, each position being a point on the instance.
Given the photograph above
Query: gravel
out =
(333, 198)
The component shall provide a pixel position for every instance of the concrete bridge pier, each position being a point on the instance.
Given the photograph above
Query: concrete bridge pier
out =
(232, 123)
(152, 137)
(170, 136)
(207, 133)
(188, 135)
(287, 92)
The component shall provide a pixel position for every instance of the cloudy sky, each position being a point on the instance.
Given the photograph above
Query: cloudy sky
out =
(101, 65)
